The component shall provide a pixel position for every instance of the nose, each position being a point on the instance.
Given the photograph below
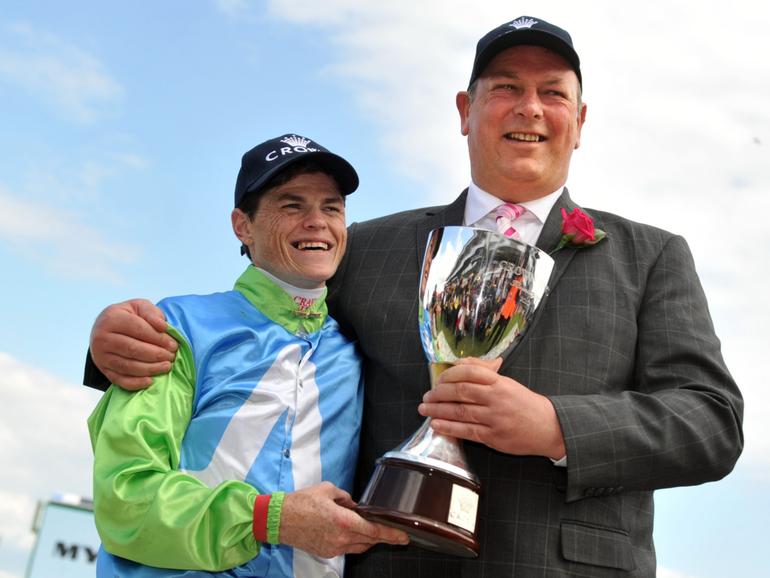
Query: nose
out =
(314, 219)
(529, 104)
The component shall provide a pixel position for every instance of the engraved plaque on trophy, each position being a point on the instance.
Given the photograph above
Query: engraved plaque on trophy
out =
(478, 293)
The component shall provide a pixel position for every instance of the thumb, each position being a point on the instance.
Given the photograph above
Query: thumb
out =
(339, 496)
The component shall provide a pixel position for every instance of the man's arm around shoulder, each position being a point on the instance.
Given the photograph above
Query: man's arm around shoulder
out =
(129, 345)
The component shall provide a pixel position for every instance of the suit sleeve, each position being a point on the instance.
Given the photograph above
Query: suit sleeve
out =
(680, 422)
(92, 377)
(147, 510)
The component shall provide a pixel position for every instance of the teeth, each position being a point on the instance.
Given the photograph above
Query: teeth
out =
(312, 245)
(523, 136)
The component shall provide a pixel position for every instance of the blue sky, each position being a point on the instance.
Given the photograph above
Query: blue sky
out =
(122, 127)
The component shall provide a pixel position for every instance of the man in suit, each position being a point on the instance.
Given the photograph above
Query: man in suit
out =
(618, 387)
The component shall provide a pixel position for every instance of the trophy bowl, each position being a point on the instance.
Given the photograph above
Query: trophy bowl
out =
(478, 292)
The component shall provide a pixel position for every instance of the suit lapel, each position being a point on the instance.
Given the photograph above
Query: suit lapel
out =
(451, 214)
(551, 235)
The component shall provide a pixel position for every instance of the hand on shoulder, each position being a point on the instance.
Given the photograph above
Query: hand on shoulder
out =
(129, 343)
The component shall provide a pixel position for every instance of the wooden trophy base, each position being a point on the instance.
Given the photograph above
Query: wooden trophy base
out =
(438, 509)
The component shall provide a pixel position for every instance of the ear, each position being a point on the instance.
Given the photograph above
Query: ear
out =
(463, 102)
(580, 121)
(241, 226)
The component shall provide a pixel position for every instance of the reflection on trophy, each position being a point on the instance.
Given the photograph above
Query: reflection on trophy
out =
(478, 292)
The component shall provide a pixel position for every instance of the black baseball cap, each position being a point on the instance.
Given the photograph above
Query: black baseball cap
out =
(524, 30)
(264, 161)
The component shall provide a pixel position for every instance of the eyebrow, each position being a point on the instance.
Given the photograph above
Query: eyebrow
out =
(287, 196)
(514, 76)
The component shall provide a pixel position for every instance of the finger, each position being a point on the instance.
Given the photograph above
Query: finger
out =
(466, 431)
(379, 533)
(126, 346)
(151, 313)
(456, 412)
(373, 532)
(472, 372)
(129, 383)
(333, 492)
(140, 330)
(126, 322)
(345, 502)
(391, 535)
(491, 364)
(130, 367)
(460, 391)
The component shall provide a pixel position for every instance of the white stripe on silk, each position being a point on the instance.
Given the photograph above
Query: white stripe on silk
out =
(306, 464)
(250, 426)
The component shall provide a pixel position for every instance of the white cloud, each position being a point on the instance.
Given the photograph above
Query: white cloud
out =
(677, 130)
(60, 240)
(44, 446)
(667, 573)
(75, 182)
(16, 515)
(66, 78)
(674, 95)
(405, 62)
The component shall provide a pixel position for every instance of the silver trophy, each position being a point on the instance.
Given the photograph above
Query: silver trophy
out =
(478, 293)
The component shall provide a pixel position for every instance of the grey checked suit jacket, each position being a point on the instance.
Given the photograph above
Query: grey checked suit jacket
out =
(624, 347)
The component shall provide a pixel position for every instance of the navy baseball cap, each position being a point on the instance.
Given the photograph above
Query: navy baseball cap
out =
(264, 161)
(524, 30)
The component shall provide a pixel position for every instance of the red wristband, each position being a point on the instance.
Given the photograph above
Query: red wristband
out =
(259, 527)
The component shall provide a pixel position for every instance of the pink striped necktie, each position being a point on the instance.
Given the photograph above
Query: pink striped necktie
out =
(505, 215)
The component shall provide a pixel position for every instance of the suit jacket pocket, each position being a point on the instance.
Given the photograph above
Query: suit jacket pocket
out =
(598, 545)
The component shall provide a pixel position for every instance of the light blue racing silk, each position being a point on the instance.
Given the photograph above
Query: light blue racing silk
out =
(277, 409)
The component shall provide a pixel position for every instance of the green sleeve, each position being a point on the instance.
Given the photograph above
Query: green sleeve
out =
(148, 511)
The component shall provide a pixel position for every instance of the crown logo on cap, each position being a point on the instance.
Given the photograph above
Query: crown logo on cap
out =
(522, 22)
(295, 141)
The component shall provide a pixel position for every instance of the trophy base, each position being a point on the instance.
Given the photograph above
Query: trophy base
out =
(421, 500)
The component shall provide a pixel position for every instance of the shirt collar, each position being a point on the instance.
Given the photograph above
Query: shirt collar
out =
(479, 203)
(278, 305)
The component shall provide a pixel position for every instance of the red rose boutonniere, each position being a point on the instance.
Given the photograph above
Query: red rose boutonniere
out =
(578, 230)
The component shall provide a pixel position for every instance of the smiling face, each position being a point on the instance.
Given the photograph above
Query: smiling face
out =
(522, 120)
(297, 232)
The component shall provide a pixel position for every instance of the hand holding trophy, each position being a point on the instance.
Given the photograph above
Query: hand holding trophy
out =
(478, 292)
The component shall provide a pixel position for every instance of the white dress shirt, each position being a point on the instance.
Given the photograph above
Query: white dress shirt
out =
(480, 207)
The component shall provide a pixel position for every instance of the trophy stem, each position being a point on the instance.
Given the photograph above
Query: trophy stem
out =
(434, 450)
(425, 487)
